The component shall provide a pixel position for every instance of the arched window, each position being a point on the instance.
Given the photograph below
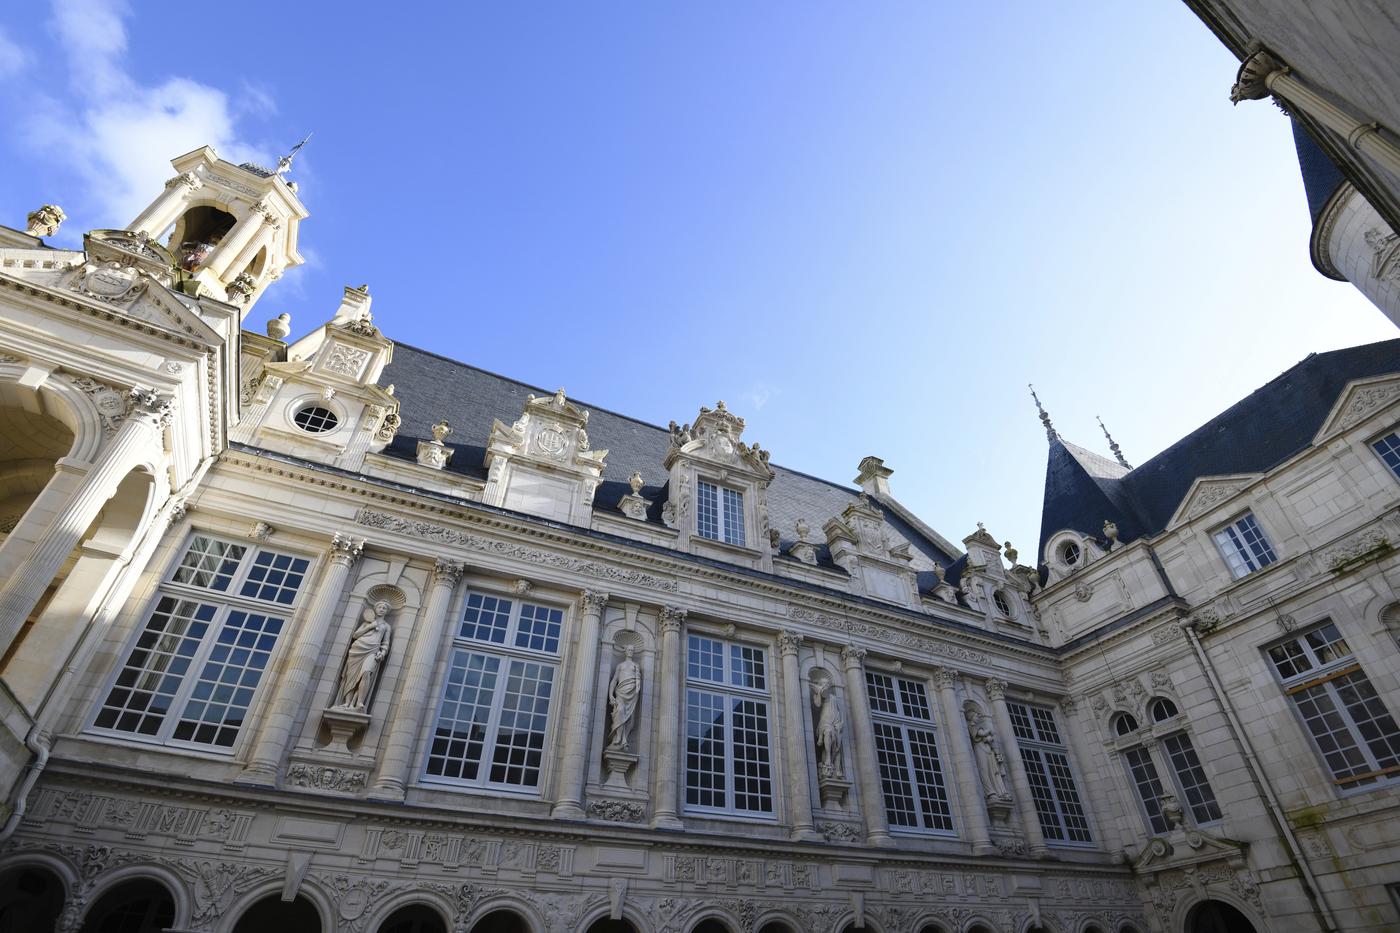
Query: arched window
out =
(1123, 724)
(272, 913)
(30, 899)
(1217, 917)
(1162, 709)
(1069, 553)
(414, 918)
(139, 906)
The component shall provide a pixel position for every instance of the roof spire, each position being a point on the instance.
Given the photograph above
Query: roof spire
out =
(284, 164)
(1051, 434)
(1113, 446)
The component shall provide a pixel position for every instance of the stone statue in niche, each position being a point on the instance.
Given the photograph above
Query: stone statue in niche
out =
(369, 646)
(991, 763)
(828, 729)
(623, 691)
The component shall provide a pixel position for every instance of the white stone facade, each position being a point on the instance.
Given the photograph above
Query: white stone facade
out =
(264, 667)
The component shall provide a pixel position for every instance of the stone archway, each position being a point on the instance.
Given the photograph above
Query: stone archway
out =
(272, 913)
(502, 921)
(31, 898)
(140, 905)
(413, 918)
(1217, 917)
(606, 925)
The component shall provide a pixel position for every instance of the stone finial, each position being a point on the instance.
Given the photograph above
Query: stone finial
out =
(435, 453)
(803, 529)
(635, 481)
(1110, 531)
(874, 477)
(1113, 446)
(1010, 552)
(45, 221)
(440, 431)
(1051, 434)
(280, 327)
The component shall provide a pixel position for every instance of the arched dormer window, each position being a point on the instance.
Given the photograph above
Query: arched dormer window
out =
(1069, 554)
(1162, 709)
(1124, 724)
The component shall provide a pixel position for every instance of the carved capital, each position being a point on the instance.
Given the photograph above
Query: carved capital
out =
(262, 207)
(1069, 704)
(852, 656)
(446, 572)
(345, 550)
(996, 689)
(1252, 80)
(593, 600)
(149, 407)
(945, 677)
(189, 179)
(672, 618)
(789, 642)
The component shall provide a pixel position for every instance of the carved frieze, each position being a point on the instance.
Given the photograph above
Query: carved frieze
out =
(871, 630)
(431, 532)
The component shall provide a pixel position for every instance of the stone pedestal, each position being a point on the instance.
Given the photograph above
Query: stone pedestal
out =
(344, 724)
(999, 809)
(618, 763)
(833, 790)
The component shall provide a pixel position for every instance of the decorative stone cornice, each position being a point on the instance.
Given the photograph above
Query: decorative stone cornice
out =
(789, 642)
(672, 618)
(345, 549)
(593, 600)
(996, 689)
(447, 572)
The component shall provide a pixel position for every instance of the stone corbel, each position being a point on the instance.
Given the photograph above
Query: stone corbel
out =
(435, 454)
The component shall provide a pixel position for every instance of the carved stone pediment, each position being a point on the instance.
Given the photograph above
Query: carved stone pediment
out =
(1187, 847)
(551, 432)
(1207, 492)
(1358, 401)
(716, 436)
(129, 249)
(879, 562)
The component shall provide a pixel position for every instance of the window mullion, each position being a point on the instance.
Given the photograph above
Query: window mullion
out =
(1349, 720)
(198, 660)
(493, 721)
(911, 773)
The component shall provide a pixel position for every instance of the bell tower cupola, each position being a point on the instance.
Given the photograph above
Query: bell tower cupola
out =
(232, 228)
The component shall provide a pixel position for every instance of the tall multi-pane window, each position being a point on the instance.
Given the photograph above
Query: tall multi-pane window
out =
(194, 670)
(1388, 449)
(728, 767)
(719, 513)
(1046, 761)
(1186, 765)
(496, 698)
(907, 751)
(1350, 726)
(1244, 547)
(1148, 785)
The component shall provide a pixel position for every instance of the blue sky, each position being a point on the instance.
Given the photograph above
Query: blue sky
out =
(864, 226)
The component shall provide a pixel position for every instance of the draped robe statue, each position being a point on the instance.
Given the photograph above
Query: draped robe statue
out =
(991, 764)
(828, 729)
(369, 645)
(623, 691)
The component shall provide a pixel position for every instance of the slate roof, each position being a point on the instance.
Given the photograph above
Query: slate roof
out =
(1321, 177)
(432, 387)
(1276, 421)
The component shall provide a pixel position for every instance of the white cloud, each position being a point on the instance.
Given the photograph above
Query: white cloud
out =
(120, 135)
(13, 59)
(758, 395)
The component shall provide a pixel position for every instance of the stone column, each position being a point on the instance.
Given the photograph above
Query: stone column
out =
(396, 762)
(309, 640)
(245, 255)
(67, 474)
(137, 439)
(872, 792)
(665, 792)
(799, 778)
(578, 715)
(238, 236)
(154, 219)
(1030, 819)
(971, 800)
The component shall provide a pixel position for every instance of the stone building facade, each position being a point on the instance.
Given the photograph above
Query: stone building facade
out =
(340, 634)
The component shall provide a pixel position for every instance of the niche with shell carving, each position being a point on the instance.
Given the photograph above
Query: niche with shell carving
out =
(361, 668)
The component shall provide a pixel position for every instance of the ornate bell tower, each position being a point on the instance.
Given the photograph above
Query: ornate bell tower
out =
(232, 228)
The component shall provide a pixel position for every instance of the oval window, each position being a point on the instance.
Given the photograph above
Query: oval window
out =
(314, 419)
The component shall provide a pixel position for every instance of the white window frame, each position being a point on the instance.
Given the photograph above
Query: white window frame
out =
(1393, 450)
(1324, 674)
(508, 654)
(724, 524)
(1241, 555)
(730, 693)
(1149, 806)
(225, 602)
(1032, 738)
(902, 720)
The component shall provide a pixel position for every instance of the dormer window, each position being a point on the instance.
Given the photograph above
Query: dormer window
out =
(719, 513)
(1125, 724)
(1001, 602)
(1069, 553)
(1244, 547)
(316, 419)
